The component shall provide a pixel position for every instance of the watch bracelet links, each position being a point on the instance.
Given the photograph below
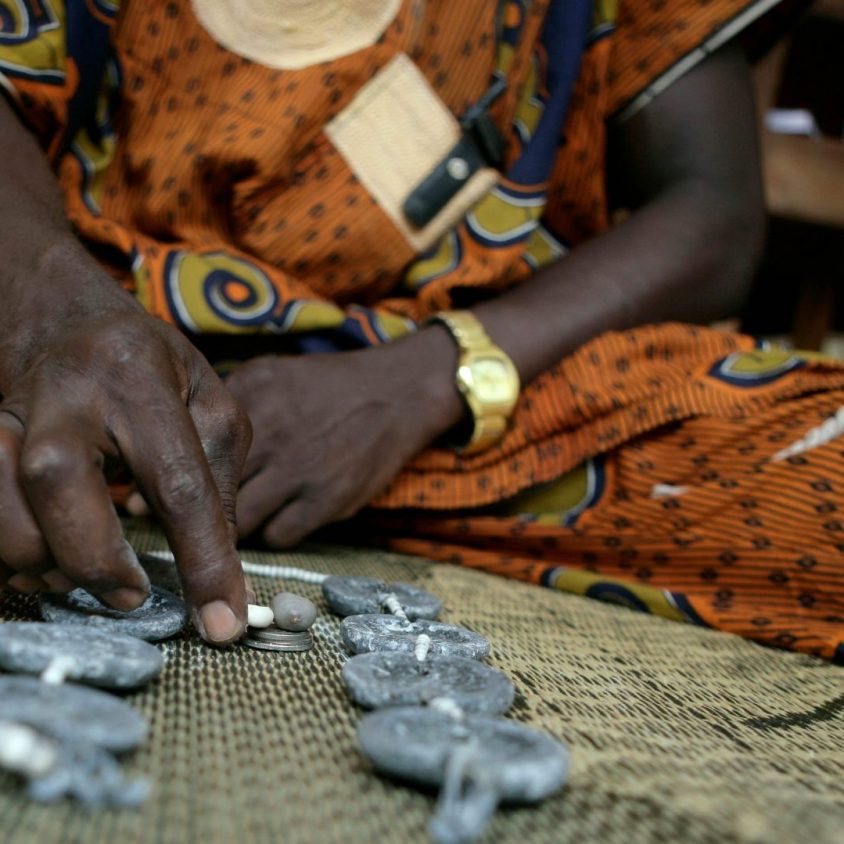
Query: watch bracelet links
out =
(465, 335)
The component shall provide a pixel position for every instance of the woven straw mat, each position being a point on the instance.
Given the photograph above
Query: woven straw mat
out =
(677, 733)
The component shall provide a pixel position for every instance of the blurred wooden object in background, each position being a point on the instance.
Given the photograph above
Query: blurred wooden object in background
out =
(804, 178)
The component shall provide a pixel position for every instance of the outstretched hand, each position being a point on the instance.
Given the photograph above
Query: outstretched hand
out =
(127, 388)
(332, 431)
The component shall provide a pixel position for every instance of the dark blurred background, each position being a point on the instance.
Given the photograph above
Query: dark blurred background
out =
(798, 295)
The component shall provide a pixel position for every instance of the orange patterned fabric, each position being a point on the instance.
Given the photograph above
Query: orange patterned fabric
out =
(676, 470)
(649, 468)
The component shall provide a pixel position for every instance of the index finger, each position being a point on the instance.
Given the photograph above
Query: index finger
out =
(165, 455)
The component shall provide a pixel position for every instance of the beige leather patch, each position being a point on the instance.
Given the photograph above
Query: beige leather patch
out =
(394, 132)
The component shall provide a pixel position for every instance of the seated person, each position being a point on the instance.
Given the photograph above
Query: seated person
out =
(443, 328)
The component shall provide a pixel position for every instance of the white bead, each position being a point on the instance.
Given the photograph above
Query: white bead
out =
(260, 616)
(423, 646)
(23, 751)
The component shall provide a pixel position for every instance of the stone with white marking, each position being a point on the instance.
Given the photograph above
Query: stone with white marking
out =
(87, 654)
(379, 679)
(367, 595)
(364, 633)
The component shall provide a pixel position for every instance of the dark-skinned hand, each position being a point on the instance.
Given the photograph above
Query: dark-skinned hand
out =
(330, 432)
(122, 387)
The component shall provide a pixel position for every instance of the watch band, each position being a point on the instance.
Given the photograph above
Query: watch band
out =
(490, 418)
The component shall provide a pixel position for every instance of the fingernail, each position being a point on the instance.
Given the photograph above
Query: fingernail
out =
(136, 506)
(217, 623)
(251, 597)
(124, 598)
(57, 581)
(24, 583)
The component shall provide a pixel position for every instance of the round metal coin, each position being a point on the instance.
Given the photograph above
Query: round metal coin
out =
(162, 614)
(363, 633)
(71, 713)
(365, 595)
(381, 679)
(269, 639)
(110, 660)
(520, 764)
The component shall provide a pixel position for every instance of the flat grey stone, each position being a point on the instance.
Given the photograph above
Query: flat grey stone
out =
(364, 633)
(71, 713)
(365, 595)
(99, 658)
(91, 777)
(415, 742)
(382, 679)
(478, 761)
(161, 616)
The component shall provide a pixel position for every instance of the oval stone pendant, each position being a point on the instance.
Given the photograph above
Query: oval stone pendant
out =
(478, 761)
(109, 660)
(90, 776)
(162, 614)
(71, 713)
(382, 679)
(366, 595)
(363, 633)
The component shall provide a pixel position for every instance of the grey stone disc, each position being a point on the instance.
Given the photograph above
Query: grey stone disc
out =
(363, 633)
(364, 595)
(162, 615)
(91, 776)
(518, 763)
(162, 572)
(110, 660)
(71, 713)
(381, 679)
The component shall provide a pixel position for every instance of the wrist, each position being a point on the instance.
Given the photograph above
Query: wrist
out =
(429, 360)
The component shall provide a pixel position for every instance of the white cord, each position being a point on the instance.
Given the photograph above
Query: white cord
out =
(261, 570)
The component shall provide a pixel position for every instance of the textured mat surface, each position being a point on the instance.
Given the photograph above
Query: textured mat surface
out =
(677, 733)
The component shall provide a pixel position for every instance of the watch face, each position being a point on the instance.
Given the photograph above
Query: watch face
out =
(491, 380)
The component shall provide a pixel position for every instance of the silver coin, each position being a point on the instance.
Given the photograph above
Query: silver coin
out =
(520, 764)
(162, 615)
(100, 658)
(268, 639)
(364, 633)
(365, 595)
(381, 679)
(72, 713)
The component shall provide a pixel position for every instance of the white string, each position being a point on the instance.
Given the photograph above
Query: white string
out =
(391, 603)
(261, 570)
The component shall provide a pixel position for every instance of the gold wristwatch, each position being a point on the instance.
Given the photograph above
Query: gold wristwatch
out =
(486, 378)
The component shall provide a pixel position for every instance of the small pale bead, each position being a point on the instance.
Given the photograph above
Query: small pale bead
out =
(293, 612)
(259, 616)
(24, 751)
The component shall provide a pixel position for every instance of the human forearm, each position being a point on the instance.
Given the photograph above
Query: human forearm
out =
(684, 256)
(47, 279)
